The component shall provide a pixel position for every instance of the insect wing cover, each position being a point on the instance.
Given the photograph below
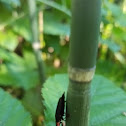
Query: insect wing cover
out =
(60, 109)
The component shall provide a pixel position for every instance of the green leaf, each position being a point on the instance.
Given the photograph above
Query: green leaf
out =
(56, 6)
(12, 113)
(53, 25)
(8, 40)
(22, 27)
(9, 56)
(5, 77)
(107, 106)
(22, 72)
(121, 20)
(36, 107)
(111, 45)
(12, 2)
(119, 35)
(109, 70)
(108, 103)
(114, 8)
(22, 76)
(6, 14)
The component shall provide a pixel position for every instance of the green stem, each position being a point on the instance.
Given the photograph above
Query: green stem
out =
(35, 39)
(83, 52)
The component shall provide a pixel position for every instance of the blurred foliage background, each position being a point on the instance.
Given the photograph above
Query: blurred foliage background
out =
(18, 69)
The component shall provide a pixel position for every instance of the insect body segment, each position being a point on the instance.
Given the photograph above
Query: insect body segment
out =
(60, 110)
(58, 124)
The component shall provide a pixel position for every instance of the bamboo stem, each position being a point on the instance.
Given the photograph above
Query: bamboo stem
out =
(83, 52)
(35, 39)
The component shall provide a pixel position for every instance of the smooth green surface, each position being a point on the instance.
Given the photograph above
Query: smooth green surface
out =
(108, 102)
(78, 104)
(84, 32)
(12, 113)
(85, 27)
(35, 38)
(33, 19)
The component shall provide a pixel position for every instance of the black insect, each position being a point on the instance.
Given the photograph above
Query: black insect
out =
(60, 110)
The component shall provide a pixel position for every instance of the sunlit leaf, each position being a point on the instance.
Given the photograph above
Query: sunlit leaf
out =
(121, 20)
(8, 40)
(119, 34)
(107, 104)
(114, 8)
(120, 57)
(111, 45)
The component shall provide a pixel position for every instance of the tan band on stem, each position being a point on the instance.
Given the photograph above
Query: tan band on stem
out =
(81, 75)
(36, 45)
